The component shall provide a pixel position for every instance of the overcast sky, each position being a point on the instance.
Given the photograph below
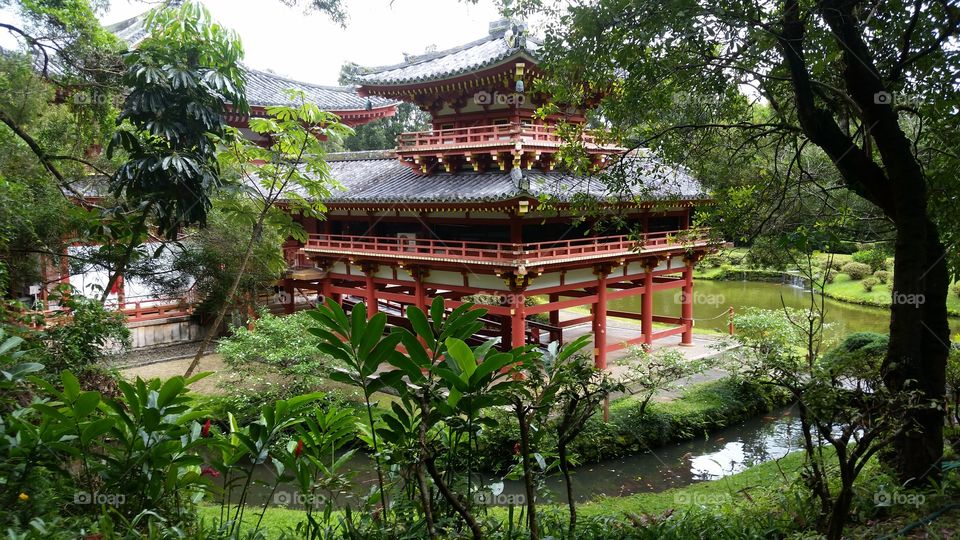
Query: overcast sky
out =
(311, 48)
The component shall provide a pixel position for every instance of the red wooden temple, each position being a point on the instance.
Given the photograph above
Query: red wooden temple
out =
(479, 207)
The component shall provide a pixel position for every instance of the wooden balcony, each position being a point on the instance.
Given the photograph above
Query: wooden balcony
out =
(492, 138)
(492, 147)
(503, 254)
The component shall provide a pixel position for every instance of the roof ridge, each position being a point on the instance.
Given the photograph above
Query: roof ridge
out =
(425, 57)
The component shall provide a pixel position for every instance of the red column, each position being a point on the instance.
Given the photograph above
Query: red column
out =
(686, 308)
(420, 295)
(555, 335)
(369, 270)
(518, 324)
(600, 321)
(646, 310)
(288, 289)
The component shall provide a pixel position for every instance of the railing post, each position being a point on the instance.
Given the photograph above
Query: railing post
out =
(730, 320)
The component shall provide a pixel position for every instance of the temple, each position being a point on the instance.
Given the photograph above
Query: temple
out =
(479, 208)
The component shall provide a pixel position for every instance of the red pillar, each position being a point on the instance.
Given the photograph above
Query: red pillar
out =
(289, 291)
(686, 308)
(555, 334)
(518, 324)
(420, 295)
(369, 271)
(646, 311)
(600, 321)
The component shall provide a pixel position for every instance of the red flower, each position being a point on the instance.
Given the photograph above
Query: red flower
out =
(299, 449)
(516, 449)
(205, 430)
(209, 471)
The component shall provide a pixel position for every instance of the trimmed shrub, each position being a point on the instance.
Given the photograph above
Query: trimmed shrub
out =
(869, 284)
(856, 270)
(882, 276)
(956, 289)
(873, 257)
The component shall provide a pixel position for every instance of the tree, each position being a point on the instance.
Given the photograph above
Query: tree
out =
(181, 78)
(861, 83)
(291, 170)
(160, 167)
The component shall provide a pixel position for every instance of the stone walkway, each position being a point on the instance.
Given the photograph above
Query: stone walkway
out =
(704, 347)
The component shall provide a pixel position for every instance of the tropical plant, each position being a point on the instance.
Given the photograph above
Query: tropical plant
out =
(290, 170)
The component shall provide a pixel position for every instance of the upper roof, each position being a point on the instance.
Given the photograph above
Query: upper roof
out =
(382, 179)
(505, 40)
(265, 89)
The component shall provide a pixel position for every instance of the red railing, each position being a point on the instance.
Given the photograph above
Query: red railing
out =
(492, 135)
(498, 252)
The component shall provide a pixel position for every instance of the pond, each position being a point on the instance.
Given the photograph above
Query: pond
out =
(713, 298)
(724, 452)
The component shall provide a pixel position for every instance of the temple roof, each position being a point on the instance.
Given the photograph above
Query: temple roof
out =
(506, 40)
(264, 89)
(373, 179)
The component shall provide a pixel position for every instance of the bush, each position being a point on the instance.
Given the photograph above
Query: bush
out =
(882, 276)
(956, 289)
(860, 353)
(280, 349)
(869, 284)
(874, 257)
(856, 270)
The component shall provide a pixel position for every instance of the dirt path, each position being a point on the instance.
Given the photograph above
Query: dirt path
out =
(164, 370)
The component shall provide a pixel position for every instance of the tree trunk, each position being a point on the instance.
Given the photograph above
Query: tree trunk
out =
(919, 344)
(565, 469)
(451, 498)
(527, 473)
(221, 313)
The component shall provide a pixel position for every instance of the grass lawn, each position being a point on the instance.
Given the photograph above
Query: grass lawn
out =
(845, 289)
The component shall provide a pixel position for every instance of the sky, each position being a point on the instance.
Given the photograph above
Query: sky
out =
(311, 48)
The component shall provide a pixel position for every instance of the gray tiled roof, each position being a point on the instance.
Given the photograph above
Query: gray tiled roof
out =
(390, 181)
(268, 89)
(479, 54)
(263, 88)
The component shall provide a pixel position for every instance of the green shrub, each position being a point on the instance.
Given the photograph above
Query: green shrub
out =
(859, 353)
(882, 276)
(278, 349)
(869, 284)
(856, 270)
(875, 258)
(956, 289)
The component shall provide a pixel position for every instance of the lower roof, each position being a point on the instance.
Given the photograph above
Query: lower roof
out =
(377, 178)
